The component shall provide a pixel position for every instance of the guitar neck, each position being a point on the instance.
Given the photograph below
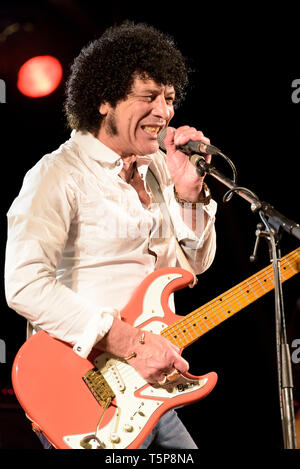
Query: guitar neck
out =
(187, 330)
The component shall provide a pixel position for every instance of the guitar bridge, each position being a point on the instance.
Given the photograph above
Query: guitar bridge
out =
(99, 387)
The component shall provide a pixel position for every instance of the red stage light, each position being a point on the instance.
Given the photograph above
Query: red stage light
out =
(39, 76)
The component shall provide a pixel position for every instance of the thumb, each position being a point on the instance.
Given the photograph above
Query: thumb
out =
(181, 364)
(169, 138)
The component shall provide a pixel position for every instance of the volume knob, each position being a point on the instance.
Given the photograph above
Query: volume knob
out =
(114, 438)
(128, 428)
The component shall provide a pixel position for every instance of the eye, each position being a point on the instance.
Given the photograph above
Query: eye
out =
(170, 100)
(148, 98)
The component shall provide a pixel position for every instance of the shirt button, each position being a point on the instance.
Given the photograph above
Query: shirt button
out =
(118, 163)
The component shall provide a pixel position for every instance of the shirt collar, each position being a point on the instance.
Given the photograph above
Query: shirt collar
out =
(100, 152)
(94, 148)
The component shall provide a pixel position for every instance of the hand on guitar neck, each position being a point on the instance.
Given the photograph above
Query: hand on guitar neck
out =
(153, 358)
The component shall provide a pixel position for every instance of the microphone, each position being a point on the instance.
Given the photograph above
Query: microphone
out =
(190, 147)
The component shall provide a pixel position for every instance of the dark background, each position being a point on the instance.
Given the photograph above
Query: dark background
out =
(245, 61)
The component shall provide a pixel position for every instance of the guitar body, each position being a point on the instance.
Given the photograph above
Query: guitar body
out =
(48, 379)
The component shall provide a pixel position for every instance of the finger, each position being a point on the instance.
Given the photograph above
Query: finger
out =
(190, 134)
(181, 364)
(184, 135)
(173, 376)
(207, 158)
(177, 349)
(205, 139)
(162, 379)
(166, 379)
(184, 127)
(169, 139)
(183, 130)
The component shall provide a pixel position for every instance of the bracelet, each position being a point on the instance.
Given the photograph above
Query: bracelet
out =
(204, 197)
(133, 354)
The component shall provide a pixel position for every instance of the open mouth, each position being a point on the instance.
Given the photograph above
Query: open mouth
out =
(151, 130)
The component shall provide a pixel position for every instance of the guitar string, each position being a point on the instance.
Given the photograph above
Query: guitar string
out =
(260, 275)
(218, 311)
(255, 281)
(249, 284)
(216, 316)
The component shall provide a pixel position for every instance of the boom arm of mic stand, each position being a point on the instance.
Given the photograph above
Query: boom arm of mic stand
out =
(275, 218)
(275, 221)
(278, 220)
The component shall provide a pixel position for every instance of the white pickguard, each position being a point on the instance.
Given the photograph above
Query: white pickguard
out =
(152, 299)
(134, 412)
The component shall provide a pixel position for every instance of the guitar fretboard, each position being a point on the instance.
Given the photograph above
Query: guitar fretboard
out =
(187, 330)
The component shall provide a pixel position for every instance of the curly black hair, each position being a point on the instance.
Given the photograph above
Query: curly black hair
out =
(105, 69)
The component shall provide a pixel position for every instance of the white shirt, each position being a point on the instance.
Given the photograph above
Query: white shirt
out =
(80, 241)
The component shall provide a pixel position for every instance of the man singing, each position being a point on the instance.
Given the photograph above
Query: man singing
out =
(81, 231)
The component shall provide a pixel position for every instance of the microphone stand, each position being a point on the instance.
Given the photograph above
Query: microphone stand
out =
(273, 222)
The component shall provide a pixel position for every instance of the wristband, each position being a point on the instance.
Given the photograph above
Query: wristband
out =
(204, 197)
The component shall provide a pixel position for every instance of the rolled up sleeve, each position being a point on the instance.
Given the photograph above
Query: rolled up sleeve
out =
(199, 245)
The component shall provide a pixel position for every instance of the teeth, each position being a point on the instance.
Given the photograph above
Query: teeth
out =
(151, 130)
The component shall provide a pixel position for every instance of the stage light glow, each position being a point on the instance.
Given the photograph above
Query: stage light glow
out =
(39, 76)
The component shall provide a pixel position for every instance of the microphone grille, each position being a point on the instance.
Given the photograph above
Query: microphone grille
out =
(161, 137)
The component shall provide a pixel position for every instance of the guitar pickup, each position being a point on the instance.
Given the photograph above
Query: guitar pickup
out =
(116, 375)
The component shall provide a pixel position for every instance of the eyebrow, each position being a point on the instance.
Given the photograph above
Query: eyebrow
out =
(155, 91)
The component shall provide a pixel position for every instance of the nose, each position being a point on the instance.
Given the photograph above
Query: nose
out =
(161, 108)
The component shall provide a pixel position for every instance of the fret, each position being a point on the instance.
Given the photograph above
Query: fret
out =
(256, 286)
(230, 307)
(236, 305)
(187, 325)
(282, 277)
(249, 292)
(270, 275)
(182, 333)
(175, 336)
(205, 318)
(262, 286)
(204, 323)
(202, 332)
(211, 319)
(216, 315)
(219, 303)
(218, 318)
(245, 296)
(213, 310)
(290, 269)
(196, 324)
(192, 325)
(268, 281)
(251, 287)
(294, 271)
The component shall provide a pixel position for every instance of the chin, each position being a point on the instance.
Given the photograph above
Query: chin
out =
(149, 149)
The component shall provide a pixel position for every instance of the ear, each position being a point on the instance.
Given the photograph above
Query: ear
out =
(104, 108)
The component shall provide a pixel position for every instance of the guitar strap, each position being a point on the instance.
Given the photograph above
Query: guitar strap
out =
(158, 197)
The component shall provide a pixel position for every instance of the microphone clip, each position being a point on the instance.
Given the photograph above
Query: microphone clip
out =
(200, 164)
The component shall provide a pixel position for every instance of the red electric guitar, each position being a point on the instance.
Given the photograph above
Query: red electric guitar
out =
(102, 402)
